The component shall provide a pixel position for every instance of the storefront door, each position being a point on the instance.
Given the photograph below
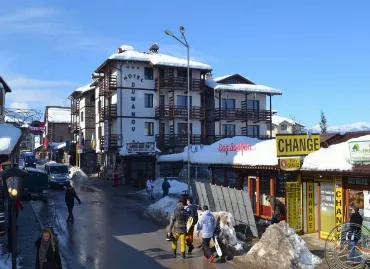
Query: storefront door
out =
(327, 214)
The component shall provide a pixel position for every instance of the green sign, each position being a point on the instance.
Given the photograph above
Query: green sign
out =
(359, 151)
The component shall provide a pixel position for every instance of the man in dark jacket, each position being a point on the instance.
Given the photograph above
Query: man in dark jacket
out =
(354, 234)
(70, 197)
(179, 219)
(192, 211)
(165, 187)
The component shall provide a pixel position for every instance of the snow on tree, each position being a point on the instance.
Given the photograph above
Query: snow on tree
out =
(323, 123)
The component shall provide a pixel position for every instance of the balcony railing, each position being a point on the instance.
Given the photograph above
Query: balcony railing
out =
(163, 112)
(75, 127)
(108, 112)
(111, 143)
(75, 109)
(177, 140)
(107, 84)
(178, 83)
(242, 114)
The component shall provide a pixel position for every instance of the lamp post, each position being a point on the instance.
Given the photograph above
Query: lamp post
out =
(13, 194)
(186, 44)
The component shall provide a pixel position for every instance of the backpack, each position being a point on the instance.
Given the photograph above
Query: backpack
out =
(181, 217)
(194, 213)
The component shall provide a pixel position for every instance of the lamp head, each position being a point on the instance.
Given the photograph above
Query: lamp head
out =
(169, 33)
(182, 29)
(14, 192)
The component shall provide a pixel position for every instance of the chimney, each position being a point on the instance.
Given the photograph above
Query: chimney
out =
(154, 48)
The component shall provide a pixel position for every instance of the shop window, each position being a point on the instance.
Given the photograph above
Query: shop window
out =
(182, 100)
(228, 103)
(228, 130)
(232, 178)
(149, 128)
(264, 189)
(148, 100)
(327, 214)
(148, 73)
(284, 127)
(219, 176)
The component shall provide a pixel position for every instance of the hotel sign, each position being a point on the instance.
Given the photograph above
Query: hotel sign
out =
(359, 151)
(141, 147)
(234, 147)
(296, 145)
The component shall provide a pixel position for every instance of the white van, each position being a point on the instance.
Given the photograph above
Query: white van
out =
(57, 173)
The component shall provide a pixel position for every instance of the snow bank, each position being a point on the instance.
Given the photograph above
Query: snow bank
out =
(59, 115)
(177, 187)
(7, 264)
(9, 136)
(281, 248)
(76, 173)
(336, 157)
(163, 208)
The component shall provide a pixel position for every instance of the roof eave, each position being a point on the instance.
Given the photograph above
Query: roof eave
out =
(6, 86)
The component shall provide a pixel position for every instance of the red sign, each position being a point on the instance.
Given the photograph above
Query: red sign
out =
(37, 127)
(234, 147)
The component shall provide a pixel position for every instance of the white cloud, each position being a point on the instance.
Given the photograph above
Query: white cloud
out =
(26, 15)
(19, 105)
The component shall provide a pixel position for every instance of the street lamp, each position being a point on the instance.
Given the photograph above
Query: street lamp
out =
(13, 193)
(186, 44)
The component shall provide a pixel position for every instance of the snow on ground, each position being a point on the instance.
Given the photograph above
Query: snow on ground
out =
(75, 172)
(163, 208)
(241, 150)
(281, 248)
(354, 127)
(177, 187)
(59, 114)
(336, 157)
(7, 264)
(9, 136)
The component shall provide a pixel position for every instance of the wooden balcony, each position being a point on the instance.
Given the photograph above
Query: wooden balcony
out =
(178, 83)
(170, 112)
(107, 85)
(75, 108)
(108, 112)
(241, 114)
(112, 142)
(177, 140)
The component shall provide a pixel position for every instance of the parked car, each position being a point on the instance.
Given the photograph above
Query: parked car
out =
(57, 174)
(37, 181)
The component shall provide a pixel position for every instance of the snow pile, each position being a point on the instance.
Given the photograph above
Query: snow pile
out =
(163, 208)
(228, 234)
(281, 248)
(9, 136)
(177, 187)
(354, 127)
(76, 173)
(6, 263)
(336, 157)
(59, 115)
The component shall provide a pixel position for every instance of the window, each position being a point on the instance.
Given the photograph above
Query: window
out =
(161, 72)
(253, 104)
(183, 73)
(92, 98)
(99, 132)
(82, 116)
(228, 129)
(148, 73)
(149, 128)
(228, 103)
(253, 131)
(284, 127)
(161, 100)
(182, 128)
(182, 100)
(148, 98)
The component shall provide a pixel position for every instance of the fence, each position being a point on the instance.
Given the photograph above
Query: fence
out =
(236, 202)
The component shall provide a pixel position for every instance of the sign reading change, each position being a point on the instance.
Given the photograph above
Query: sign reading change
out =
(296, 145)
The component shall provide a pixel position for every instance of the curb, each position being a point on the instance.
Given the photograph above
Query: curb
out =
(42, 227)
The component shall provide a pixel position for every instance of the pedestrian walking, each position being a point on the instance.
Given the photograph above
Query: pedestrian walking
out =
(191, 211)
(150, 188)
(278, 208)
(70, 197)
(165, 187)
(47, 254)
(354, 235)
(178, 226)
(115, 178)
(207, 224)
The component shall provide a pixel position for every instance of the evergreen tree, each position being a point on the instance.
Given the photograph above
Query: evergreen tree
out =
(323, 123)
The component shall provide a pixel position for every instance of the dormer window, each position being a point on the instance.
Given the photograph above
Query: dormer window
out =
(284, 127)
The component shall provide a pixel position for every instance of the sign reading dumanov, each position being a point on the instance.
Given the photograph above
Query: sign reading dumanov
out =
(359, 151)
(296, 145)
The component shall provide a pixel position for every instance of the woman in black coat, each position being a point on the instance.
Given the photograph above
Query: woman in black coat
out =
(47, 256)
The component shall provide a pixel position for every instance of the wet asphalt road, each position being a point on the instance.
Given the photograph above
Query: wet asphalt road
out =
(111, 233)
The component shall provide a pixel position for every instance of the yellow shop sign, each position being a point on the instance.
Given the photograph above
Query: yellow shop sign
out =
(296, 145)
(290, 164)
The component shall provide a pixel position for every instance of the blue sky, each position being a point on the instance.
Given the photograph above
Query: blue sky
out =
(316, 52)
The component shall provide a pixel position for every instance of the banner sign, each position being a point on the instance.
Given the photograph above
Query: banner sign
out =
(290, 164)
(36, 127)
(296, 145)
(141, 147)
(359, 151)
(310, 207)
(106, 135)
(338, 202)
(294, 205)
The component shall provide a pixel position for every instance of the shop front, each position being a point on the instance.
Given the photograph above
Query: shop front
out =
(137, 163)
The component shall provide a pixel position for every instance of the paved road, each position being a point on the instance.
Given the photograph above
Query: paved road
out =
(110, 233)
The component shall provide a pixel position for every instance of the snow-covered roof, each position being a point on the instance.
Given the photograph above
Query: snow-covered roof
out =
(217, 79)
(333, 158)
(59, 115)
(242, 87)
(260, 153)
(85, 88)
(129, 54)
(277, 120)
(9, 136)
